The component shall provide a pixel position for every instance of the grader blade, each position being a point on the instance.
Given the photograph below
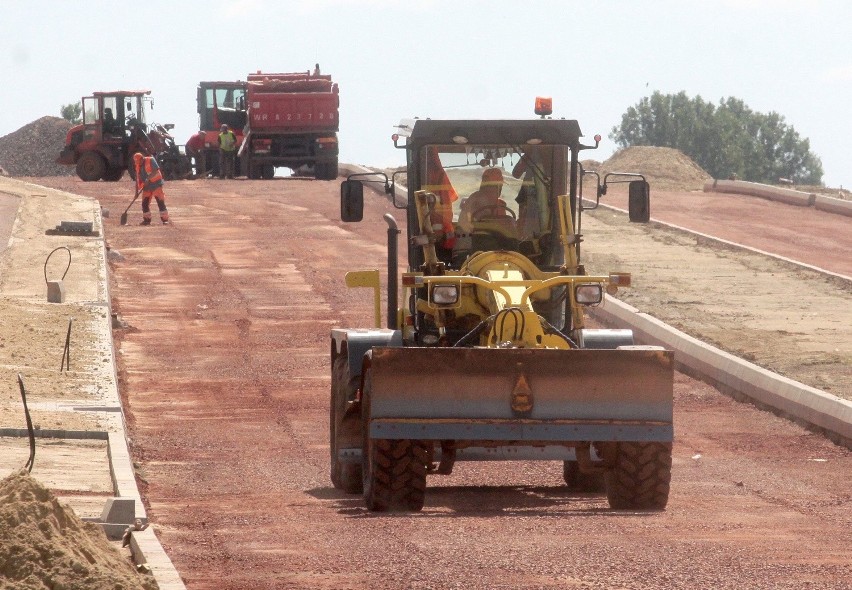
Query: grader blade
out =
(522, 394)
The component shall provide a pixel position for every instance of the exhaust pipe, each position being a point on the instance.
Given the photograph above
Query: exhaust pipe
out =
(393, 287)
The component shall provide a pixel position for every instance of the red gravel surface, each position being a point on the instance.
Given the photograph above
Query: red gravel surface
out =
(224, 372)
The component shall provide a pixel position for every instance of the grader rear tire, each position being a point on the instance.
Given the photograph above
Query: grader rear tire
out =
(344, 476)
(394, 470)
(641, 477)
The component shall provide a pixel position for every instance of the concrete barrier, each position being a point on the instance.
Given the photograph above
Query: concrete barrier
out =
(741, 187)
(833, 205)
(401, 191)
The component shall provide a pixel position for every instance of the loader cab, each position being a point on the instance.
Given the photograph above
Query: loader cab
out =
(111, 117)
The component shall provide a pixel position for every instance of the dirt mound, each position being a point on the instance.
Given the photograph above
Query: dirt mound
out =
(32, 150)
(45, 546)
(664, 168)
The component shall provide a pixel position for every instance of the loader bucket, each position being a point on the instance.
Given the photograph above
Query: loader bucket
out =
(536, 395)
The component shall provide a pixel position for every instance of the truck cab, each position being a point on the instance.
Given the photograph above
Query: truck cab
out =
(219, 103)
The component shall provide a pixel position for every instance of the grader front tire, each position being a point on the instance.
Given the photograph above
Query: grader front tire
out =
(641, 477)
(395, 479)
(344, 476)
(394, 471)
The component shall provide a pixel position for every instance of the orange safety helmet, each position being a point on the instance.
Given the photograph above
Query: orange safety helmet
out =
(137, 157)
(492, 177)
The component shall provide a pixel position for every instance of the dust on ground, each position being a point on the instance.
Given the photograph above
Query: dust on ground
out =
(44, 545)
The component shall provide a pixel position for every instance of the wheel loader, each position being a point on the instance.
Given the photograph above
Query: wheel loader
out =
(113, 129)
(488, 355)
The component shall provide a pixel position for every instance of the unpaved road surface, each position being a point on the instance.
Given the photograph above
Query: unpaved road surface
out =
(224, 373)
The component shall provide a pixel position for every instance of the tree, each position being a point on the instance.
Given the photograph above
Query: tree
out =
(724, 140)
(71, 113)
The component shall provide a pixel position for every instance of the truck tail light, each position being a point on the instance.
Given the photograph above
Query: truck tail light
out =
(261, 146)
(327, 143)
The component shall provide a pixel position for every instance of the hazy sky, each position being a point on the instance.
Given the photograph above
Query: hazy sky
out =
(445, 59)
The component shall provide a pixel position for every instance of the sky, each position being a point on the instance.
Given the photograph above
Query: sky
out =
(462, 59)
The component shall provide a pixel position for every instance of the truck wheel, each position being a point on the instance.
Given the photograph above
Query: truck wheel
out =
(91, 167)
(577, 481)
(641, 476)
(113, 174)
(344, 476)
(394, 470)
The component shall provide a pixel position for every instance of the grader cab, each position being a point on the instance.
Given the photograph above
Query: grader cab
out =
(488, 357)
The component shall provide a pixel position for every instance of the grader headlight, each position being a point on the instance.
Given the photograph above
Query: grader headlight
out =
(588, 293)
(444, 295)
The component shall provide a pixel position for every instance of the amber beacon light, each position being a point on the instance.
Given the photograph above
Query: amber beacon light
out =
(543, 105)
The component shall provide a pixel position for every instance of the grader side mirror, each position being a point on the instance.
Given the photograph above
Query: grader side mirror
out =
(639, 201)
(351, 200)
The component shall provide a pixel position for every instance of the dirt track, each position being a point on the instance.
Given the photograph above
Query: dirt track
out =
(225, 375)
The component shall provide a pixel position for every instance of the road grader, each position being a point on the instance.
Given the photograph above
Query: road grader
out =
(488, 357)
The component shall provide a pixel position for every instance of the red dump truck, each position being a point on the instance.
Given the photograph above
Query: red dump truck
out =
(288, 120)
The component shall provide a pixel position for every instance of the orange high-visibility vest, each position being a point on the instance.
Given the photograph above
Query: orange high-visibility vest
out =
(149, 174)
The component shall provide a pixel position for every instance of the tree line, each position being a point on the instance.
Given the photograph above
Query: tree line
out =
(726, 140)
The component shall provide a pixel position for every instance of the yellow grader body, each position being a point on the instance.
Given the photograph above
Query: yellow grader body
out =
(489, 357)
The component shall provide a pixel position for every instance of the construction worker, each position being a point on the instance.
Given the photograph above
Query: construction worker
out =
(110, 125)
(195, 150)
(486, 202)
(227, 152)
(149, 180)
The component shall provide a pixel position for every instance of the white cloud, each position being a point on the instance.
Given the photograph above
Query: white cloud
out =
(241, 8)
(838, 74)
(769, 5)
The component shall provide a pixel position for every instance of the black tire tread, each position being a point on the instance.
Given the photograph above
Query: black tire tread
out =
(399, 475)
(641, 477)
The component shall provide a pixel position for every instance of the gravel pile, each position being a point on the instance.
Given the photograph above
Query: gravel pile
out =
(664, 168)
(32, 150)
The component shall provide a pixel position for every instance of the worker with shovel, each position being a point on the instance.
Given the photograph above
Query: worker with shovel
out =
(149, 180)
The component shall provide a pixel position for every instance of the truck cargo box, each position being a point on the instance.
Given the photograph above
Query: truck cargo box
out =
(297, 103)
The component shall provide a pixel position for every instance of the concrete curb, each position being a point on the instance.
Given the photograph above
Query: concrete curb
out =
(122, 474)
(146, 549)
(801, 403)
(817, 409)
(700, 237)
(781, 195)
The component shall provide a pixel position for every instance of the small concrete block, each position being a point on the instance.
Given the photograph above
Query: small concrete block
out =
(119, 511)
(55, 292)
(75, 226)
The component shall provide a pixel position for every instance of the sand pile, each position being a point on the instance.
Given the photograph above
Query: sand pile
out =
(664, 168)
(45, 546)
(32, 150)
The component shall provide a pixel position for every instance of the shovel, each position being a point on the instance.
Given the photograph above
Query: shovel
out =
(124, 215)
